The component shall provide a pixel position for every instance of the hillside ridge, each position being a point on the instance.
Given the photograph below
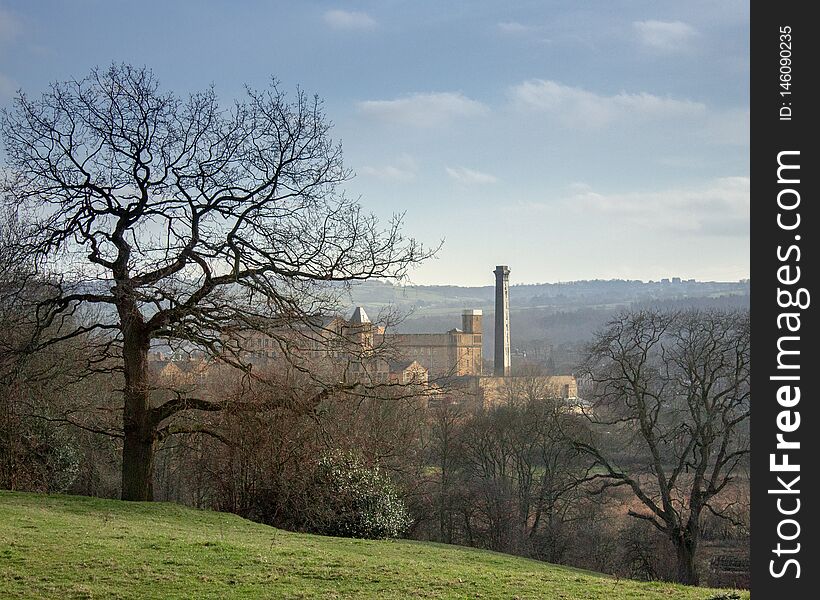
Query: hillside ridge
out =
(78, 547)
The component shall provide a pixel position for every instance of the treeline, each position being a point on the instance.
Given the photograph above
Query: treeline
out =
(395, 462)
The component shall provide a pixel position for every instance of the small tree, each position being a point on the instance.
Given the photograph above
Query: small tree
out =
(347, 498)
(671, 399)
(158, 218)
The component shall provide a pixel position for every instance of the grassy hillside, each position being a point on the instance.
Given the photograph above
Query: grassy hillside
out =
(73, 547)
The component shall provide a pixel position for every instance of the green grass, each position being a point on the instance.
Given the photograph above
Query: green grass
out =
(74, 547)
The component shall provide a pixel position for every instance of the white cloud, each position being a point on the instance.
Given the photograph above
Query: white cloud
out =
(467, 176)
(423, 110)
(346, 19)
(720, 207)
(576, 107)
(515, 28)
(729, 127)
(529, 33)
(579, 187)
(666, 36)
(388, 173)
(403, 170)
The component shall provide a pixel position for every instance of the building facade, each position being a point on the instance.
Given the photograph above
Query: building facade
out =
(455, 353)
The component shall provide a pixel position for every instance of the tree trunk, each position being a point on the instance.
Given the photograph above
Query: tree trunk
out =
(687, 569)
(139, 429)
(138, 463)
(444, 497)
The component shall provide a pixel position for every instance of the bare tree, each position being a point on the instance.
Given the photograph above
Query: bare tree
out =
(671, 401)
(160, 218)
(35, 452)
(519, 466)
(446, 423)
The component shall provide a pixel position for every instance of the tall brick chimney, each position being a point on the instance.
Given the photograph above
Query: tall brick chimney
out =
(502, 321)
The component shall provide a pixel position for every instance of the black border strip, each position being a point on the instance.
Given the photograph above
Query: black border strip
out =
(783, 125)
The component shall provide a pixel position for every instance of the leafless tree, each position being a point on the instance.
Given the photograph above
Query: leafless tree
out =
(525, 474)
(35, 452)
(671, 405)
(160, 218)
(447, 420)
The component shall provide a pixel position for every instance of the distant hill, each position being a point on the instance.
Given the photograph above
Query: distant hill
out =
(75, 547)
(572, 293)
(546, 318)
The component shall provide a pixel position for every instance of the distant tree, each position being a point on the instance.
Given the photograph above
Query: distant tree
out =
(160, 218)
(522, 470)
(446, 423)
(671, 400)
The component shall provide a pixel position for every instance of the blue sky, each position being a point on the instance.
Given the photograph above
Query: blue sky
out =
(570, 140)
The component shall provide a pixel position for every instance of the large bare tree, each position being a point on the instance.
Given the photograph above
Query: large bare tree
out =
(156, 217)
(671, 401)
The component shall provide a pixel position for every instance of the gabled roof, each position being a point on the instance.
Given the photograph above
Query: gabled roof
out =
(400, 366)
(359, 316)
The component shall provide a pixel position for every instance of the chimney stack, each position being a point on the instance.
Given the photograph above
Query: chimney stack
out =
(502, 321)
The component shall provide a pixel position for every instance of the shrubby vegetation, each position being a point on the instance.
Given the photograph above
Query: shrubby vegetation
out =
(350, 499)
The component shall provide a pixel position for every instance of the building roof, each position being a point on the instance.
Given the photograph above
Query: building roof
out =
(399, 366)
(359, 316)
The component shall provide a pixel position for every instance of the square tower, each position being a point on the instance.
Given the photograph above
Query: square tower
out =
(471, 320)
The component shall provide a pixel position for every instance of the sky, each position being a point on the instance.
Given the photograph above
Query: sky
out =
(569, 140)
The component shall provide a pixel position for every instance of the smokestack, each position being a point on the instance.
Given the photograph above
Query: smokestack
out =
(502, 321)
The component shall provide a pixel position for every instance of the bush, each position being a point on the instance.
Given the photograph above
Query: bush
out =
(35, 455)
(645, 553)
(347, 498)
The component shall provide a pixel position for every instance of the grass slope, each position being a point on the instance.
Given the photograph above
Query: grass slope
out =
(75, 547)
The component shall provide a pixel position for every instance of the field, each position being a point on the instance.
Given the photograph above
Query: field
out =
(75, 547)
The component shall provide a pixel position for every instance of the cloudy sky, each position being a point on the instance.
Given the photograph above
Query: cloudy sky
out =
(569, 140)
